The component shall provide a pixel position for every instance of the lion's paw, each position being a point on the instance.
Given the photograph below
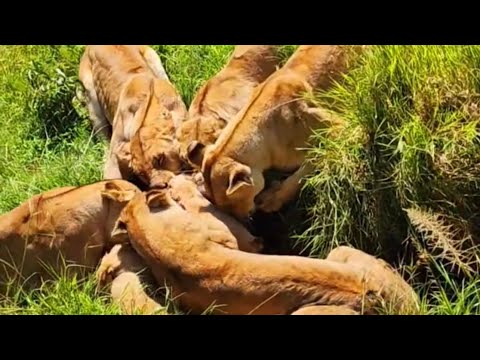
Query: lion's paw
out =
(270, 200)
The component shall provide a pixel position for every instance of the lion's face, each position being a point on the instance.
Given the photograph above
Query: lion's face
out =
(195, 134)
(153, 154)
(231, 187)
(154, 160)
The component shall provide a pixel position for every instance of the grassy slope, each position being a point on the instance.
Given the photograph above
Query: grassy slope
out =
(46, 141)
(405, 168)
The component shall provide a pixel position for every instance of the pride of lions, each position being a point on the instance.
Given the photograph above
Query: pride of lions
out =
(180, 183)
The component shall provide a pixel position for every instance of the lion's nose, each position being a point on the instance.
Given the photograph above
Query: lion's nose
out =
(159, 185)
(161, 179)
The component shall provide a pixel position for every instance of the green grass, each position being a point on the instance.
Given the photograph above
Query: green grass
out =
(411, 140)
(60, 296)
(411, 143)
(410, 147)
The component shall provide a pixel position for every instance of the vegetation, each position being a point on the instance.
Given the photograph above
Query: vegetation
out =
(401, 175)
(403, 172)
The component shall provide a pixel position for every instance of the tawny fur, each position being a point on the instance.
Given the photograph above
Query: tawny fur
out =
(268, 132)
(129, 95)
(206, 275)
(395, 291)
(65, 226)
(325, 310)
(125, 273)
(223, 96)
(223, 228)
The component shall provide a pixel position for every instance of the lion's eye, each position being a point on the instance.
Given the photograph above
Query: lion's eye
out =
(133, 108)
(158, 161)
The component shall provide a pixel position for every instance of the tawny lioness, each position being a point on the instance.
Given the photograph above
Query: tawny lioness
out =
(131, 98)
(177, 247)
(223, 96)
(64, 226)
(269, 133)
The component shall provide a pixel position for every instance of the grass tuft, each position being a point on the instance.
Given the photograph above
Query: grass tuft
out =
(411, 139)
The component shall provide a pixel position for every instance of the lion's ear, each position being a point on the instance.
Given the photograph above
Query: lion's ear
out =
(195, 152)
(240, 50)
(158, 198)
(119, 233)
(240, 177)
(114, 192)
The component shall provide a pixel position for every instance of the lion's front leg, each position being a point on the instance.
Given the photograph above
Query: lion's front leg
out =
(111, 169)
(280, 193)
(117, 165)
(124, 272)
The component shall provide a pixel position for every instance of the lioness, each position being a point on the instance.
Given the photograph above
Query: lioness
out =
(177, 247)
(125, 273)
(268, 133)
(69, 225)
(222, 97)
(127, 89)
(223, 228)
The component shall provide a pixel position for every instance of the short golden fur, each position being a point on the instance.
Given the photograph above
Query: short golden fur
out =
(325, 310)
(124, 272)
(401, 296)
(70, 225)
(203, 274)
(129, 95)
(223, 228)
(268, 131)
(223, 96)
